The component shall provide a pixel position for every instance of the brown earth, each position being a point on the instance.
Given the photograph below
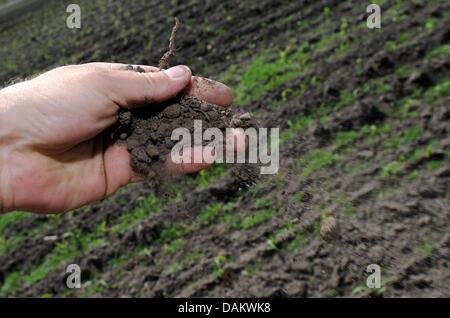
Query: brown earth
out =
(147, 131)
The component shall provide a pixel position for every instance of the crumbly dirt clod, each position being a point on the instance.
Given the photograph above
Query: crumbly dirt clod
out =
(329, 229)
(147, 131)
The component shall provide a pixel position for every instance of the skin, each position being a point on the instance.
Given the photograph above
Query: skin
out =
(54, 156)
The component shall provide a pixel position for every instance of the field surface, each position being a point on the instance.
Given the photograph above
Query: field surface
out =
(364, 119)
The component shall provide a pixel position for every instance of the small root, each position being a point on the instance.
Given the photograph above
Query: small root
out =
(165, 59)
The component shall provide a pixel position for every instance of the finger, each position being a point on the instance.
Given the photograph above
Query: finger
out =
(210, 91)
(203, 88)
(193, 159)
(235, 142)
(117, 165)
(190, 160)
(129, 89)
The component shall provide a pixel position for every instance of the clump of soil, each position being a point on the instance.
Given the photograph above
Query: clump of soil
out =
(147, 131)
(329, 229)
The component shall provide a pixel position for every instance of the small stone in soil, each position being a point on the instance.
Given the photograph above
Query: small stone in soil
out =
(329, 230)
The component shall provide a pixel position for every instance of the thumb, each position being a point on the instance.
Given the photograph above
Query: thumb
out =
(129, 89)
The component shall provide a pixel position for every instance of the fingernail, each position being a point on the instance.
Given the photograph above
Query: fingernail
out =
(177, 72)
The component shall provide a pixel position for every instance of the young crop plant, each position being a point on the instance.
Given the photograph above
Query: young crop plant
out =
(219, 262)
(172, 232)
(146, 206)
(424, 248)
(209, 213)
(316, 160)
(255, 219)
(174, 246)
(391, 169)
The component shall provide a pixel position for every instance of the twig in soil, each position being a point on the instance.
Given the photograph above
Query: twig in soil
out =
(164, 61)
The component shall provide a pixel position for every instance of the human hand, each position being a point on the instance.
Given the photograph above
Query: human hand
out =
(54, 156)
